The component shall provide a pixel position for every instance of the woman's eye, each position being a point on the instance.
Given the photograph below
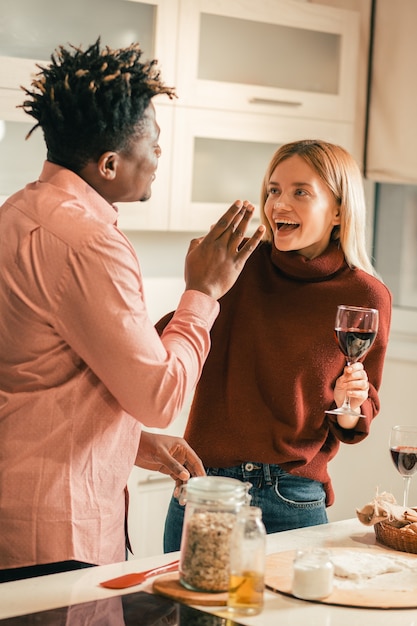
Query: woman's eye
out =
(272, 191)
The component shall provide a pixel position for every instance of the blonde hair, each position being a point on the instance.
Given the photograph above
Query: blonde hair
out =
(340, 172)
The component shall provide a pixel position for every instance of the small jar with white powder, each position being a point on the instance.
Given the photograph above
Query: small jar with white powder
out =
(312, 574)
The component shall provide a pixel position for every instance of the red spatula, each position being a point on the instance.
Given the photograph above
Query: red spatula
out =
(135, 578)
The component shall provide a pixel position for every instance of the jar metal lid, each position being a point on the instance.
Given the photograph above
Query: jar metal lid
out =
(215, 488)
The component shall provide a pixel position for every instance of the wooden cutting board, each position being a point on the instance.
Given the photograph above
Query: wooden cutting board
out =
(278, 578)
(168, 585)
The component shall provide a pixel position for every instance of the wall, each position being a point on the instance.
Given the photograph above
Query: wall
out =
(357, 471)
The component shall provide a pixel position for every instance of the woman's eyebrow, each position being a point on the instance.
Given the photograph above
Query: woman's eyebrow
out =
(293, 184)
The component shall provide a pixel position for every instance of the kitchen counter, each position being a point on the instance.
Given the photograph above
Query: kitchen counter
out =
(71, 588)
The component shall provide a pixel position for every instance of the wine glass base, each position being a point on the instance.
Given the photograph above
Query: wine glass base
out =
(341, 411)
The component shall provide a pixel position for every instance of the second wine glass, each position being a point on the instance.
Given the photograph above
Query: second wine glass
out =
(355, 329)
(403, 448)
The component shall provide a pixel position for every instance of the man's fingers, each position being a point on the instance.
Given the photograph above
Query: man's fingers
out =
(246, 250)
(228, 220)
(195, 467)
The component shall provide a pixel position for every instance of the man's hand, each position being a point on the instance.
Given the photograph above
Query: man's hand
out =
(168, 455)
(215, 261)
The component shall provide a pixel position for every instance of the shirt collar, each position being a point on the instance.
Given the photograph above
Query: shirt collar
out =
(74, 185)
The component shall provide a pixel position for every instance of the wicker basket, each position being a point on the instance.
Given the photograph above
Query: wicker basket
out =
(396, 538)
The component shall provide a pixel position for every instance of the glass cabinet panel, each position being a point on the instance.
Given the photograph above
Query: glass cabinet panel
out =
(315, 55)
(29, 33)
(20, 160)
(395, 241)
(227, 154)
(212, 162)
(281, 57)
(33, 30)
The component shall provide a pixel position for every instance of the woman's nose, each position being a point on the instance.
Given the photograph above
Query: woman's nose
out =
(279, 204)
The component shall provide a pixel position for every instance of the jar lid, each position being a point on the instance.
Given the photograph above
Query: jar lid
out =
(216, 488)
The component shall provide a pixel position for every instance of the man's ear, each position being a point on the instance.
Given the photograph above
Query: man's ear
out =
(107, 165)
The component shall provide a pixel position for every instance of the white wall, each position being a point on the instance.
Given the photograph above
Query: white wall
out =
(357, 471)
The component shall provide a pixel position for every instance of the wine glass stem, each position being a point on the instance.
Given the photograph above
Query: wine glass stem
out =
(346, 405)
(406, 489)
(346, 402)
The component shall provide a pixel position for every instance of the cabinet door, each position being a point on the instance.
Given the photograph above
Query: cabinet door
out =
(150, 492)
(219, 157)
(21, 161)
(32, 30)
(154, 213)
(149, 497)
(151, 22)
(289, 58)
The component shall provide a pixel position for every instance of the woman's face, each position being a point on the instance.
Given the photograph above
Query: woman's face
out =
(300, 208)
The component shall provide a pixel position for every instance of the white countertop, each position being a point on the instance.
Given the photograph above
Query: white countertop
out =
(57, 590)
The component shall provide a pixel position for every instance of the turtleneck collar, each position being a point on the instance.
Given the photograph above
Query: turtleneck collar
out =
(324, 267)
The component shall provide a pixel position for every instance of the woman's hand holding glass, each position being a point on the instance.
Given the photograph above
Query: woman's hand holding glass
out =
(354, 383)
(355, 331)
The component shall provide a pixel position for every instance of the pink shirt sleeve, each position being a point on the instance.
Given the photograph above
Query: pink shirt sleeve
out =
(101, 313)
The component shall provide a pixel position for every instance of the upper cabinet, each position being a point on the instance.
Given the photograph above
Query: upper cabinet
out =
(274, 57)
(29, 33)
(225, 154)
(392, 130)
(249, 76)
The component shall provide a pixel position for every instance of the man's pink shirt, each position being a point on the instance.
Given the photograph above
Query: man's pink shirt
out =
(81, 370)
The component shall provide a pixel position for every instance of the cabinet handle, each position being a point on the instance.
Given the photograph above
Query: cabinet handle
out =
(155, 479)
(287, 103)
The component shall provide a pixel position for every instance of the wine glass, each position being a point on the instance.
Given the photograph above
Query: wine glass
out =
(403, 448)
(355, 330)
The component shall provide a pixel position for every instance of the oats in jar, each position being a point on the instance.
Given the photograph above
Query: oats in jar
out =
(205, 551)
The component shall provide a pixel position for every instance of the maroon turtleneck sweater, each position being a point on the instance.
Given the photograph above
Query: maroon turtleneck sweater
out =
(273, 364)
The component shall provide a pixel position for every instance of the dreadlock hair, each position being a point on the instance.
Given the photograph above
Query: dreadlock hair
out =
(89, 102)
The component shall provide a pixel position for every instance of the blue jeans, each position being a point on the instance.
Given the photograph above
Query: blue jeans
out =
(286, 501)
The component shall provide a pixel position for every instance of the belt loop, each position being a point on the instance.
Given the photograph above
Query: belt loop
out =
(267, 473)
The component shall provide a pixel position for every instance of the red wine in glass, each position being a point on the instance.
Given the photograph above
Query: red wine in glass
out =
(405, 460)
(354, 343)
(403, 449)
(355, 331)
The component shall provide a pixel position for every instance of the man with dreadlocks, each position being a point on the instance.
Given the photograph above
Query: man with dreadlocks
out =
(81, 366)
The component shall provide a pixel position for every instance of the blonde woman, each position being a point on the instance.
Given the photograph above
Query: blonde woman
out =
(258, 413)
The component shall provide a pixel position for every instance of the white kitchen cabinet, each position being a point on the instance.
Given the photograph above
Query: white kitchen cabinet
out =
(31, 30)
(154, 214)
(21, 162)
(278, 57)
(149, 496)
(151, 22)
(249, 76)
(226, 154)
(30, 33)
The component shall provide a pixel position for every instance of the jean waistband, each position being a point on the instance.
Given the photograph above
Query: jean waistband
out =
(250, 470)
